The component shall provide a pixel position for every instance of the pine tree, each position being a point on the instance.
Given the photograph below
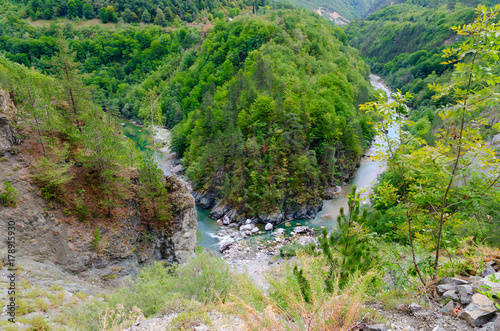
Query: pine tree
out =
(146, 16)
(88, 11)
(127, 15)
(160, 17)
(347, 250)
(75, 92)
(103, 15)
(103, 154)
(72, 9)
(153, 189)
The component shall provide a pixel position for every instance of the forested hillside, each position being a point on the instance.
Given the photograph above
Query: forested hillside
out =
(404, 44)
(266, 113)
(264, 107)
(134, 11)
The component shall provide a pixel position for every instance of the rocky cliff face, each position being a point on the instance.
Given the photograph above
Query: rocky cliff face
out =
(44, 233)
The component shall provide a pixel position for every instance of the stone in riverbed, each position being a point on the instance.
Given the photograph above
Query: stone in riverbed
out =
(269, 227)
(488, 270)
(248, 221)
(279, 232)
(302, 229)
(247, 227)
(256, 229)
(492, 280)
(479, 311)
(225, 246)
(226, 220)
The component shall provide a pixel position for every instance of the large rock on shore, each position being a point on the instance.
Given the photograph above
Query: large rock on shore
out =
(205, 200)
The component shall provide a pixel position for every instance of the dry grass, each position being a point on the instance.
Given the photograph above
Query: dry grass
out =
(286, 309)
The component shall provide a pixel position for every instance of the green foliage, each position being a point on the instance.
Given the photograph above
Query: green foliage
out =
(438, 187)
(295, 248)
(74, 9)
(403, 43)
(51, 170)
(489, 293)
(152, 188)
(81, 209)
(349, 249)
(9, 195)
(305, 287)
(158, 289)
(96, 241)
(266, 116)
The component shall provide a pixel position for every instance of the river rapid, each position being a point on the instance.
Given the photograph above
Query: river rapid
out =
(214, 234)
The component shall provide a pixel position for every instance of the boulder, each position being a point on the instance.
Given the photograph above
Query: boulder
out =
(490, 326)
(218, 211)
(465, 293)
(376, 327)
(279, 232)
(474, 279)
(274, 218)
(226, 220)
(445, 288)
(496, 324)
(488, 270)
(492, 280)
(248, 221)
(453, 281)
(302, 229)
(8, 137)
(438, 328)
(448, 309)
(247, 227)
(255, 229)
(225, 246)
(414, 307)
(452, 294)
(269, 227)
(205, 201)
(479, 311)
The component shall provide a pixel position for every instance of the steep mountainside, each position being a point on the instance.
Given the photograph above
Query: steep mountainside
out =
(404, 44)
(45, 232)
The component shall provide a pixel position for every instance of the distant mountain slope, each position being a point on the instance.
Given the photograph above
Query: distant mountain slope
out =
(404, 43)
(330, 9)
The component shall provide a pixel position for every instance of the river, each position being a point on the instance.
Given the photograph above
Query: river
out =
(213, 234)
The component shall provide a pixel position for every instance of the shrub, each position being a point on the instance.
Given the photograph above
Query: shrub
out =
(51, 171)
(9, 196)
(204, 278)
